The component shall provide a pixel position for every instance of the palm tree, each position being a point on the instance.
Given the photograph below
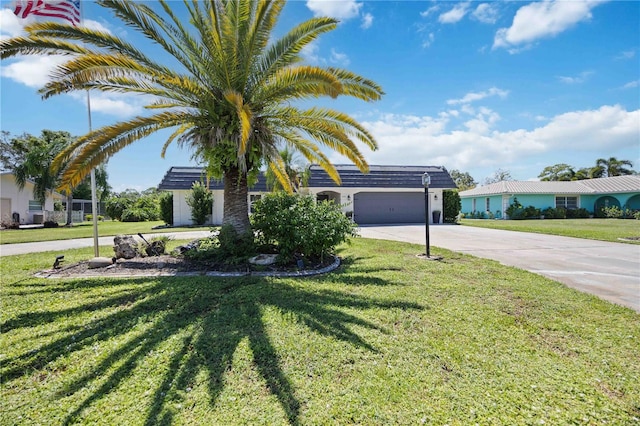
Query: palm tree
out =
(36, 161)
(229, 94)
(614, 167)
(296, 175)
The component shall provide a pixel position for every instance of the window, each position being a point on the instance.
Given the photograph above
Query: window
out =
(570, 203)
(252, 199)
(487, 204)
(35, 206)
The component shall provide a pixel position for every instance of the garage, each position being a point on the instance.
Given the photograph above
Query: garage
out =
(388, 207)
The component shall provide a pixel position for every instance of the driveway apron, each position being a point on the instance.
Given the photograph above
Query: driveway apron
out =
(608, 270)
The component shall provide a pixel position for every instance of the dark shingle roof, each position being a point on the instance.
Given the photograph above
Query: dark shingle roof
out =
(383, 177)
(181, 178)
(178, 178)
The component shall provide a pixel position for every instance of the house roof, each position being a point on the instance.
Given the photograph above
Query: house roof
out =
(382, 177)
(616, 184)
(54, 194)
(178, 178)
(182, 178)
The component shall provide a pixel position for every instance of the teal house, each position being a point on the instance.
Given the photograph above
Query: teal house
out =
(590, 194)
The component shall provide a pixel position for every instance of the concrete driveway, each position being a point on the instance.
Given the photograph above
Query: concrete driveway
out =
(610, 271)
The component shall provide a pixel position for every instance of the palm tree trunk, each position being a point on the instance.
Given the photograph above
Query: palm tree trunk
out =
(69, 209)
(236, 203)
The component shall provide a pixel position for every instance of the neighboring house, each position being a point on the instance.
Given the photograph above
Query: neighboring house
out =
(387, 194)
(590, 194)
(20, 203)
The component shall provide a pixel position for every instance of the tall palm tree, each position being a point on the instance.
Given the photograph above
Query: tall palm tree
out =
(614, 167)
(230, 92)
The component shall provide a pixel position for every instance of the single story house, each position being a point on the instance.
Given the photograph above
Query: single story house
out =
(387, 194)
(590, 194)
(19, 204)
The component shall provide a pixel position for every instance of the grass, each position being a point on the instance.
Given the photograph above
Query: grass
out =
(594, 229)
(85, 230)
(386, 339)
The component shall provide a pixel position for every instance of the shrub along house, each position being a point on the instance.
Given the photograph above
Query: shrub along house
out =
(387, 194)
(592, 195)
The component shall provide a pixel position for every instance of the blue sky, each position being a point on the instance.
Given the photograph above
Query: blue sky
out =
(474, 86)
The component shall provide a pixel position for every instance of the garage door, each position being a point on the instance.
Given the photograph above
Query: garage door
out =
(388, 207)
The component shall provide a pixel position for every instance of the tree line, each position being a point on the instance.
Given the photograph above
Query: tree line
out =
(604, 167)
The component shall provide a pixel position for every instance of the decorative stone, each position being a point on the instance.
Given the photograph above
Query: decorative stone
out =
(155, 248)
(263, 259)
(100, 262)
(125, 246)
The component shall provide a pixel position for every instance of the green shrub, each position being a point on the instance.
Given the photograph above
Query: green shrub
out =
(134, 214)
(166, 208)
(580, 213)
(612, 212)
(89, 217)
(636, 215)
(451, 205)
(200, 199)
(517, 212)
(300, 227)
(115, 206)
(551, 213)
(150, 204)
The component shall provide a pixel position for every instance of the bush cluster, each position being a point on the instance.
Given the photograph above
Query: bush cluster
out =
(451, 204)
(615, 212)
(132, 206)
(298, 227)
(166, 208)
(200, 199)
(517, 212)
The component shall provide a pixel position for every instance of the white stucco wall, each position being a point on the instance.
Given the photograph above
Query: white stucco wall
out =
(19, 200)
(182, 211)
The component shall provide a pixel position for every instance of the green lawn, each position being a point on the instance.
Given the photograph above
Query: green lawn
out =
(386, 339)
(85, 230)
(593, 229)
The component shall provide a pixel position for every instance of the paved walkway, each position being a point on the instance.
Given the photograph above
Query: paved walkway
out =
(609, 270)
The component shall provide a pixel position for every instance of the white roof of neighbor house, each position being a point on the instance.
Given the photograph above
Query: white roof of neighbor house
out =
(616, 184)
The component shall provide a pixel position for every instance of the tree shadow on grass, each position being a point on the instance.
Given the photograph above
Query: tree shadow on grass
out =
(210, 316)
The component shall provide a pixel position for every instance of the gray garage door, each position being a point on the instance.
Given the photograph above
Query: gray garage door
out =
(388, 207)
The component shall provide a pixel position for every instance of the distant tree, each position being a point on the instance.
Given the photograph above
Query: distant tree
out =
(13, 150)
(463, 181)
(589, 173)
(557, 172)
(296, 173)
(614, 167)
(33, 156)
(498, 176)
(103, 189)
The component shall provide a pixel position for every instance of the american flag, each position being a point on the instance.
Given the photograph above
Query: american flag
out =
(64, 9)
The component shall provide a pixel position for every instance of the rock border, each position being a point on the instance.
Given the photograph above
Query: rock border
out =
(285, 274)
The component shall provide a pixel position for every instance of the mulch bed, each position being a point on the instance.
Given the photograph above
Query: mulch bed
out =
(167, 265)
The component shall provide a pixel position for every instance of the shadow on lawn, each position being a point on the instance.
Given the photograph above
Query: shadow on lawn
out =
(211, 317)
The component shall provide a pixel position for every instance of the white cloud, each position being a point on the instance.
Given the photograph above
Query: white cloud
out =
(115, 104)
(580, 78)
(407, 139)
(486, 13)
(339, 58)
(432, 9)
(428, 40)
(311, 53)
(32, 71)
(627, 54)
(476, 96)
(339, 9)
(367, 21)
(631, 84)
(454, 15)
(10, 24)
(542, 20)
